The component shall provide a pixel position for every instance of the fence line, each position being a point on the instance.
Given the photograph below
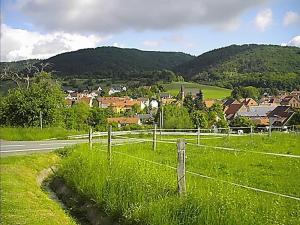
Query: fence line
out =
(188, 131)
(209, 177)
(217, 147)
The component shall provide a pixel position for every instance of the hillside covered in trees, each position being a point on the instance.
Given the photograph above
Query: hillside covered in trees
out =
(18, 65)
(263, 66)
(112, 62)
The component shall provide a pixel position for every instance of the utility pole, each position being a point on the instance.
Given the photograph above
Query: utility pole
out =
(109, 144)
(41, 120)
(154, 137)
(162, 117)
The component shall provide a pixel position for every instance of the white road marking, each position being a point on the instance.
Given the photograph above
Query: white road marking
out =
(58, 144)
(32, 149)
(11, 146)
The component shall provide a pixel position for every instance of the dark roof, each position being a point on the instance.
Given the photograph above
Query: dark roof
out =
(284, 113)
(233, 108)
(230, 101)
(288, 98)
(281, 111)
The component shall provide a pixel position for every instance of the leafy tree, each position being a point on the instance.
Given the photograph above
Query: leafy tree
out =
(188, 103)
(200, 118)
(295, 120)
(198, 101)
(241, 122)
(78, 116)
(98, 118)
(176, 117)
(216, 116)
(245, 92)
(250, 92)
(22, 106)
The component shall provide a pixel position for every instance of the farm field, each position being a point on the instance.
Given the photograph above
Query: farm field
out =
(140, 186)
(210, 92)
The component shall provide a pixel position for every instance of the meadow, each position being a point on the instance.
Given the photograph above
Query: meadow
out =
(140, 185)
(209, 92)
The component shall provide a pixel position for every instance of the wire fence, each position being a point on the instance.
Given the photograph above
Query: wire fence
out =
(192, 137)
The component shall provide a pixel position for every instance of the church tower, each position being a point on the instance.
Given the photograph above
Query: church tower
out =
(181, 93)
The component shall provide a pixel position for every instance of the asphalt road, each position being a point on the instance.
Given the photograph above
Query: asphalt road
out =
(24, 147)
(13, 147)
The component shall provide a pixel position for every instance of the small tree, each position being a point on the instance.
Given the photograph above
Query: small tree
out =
(241, 122)
(176, 117)
(22, 106)
(200, 118)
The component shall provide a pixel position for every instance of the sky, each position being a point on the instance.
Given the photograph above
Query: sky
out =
(43, 28)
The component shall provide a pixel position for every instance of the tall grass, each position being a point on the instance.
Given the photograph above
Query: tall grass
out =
(144, 193)
(33, 133)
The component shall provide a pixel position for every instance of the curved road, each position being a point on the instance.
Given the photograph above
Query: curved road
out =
(9, 147)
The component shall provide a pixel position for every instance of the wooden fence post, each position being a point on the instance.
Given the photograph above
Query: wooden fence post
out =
(154, 137)
(109, 144)
(91, 138)
(198, 136)
(181, 166)
(251, 130)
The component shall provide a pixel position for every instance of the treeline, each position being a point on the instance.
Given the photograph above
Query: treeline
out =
(44, 100)
(112, 62)
(264, 66)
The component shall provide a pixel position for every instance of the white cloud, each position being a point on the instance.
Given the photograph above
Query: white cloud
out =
(18, 44)
(231, 25)
(291, 18)
(118, 45)
(263, 19)
(295, 41)
(151, 43)
(107, 16)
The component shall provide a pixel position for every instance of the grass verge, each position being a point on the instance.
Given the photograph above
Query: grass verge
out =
(33, 133)
(22, 199)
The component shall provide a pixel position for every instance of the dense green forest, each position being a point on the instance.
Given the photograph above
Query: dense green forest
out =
(112, 62)
(265, 66)
(18, 65)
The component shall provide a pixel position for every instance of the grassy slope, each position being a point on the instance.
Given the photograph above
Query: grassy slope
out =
(144, 192)
(210, 92)
(22, 199)
(33, 134)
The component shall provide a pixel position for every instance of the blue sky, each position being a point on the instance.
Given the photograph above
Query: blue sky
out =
(43, 28)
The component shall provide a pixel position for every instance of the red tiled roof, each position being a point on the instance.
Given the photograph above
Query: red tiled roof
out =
(123, 120)
(209, 103)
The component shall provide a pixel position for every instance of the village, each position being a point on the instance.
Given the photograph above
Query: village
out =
(267, 111)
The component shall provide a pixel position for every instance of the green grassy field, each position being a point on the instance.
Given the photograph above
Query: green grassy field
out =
(34, 134)
(143, 192)
(210, 92)
(22, 199)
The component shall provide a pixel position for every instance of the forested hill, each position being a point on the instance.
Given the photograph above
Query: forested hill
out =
(18, 65)
(105, 62)
(257, 65)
